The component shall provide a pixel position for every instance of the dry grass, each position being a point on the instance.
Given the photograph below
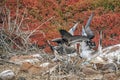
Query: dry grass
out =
(63, 70)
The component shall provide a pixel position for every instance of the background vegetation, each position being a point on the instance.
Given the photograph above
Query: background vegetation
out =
(32, 22)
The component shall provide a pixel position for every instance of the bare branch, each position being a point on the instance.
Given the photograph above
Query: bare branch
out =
(39, 27)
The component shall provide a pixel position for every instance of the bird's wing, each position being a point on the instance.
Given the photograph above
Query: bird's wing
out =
(72, 30)
(83, 31)
(65, 34)
(87, 29)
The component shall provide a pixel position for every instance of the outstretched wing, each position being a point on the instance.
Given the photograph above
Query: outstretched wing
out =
(59, 41)
(83, 31)
(72, 30)
(87, 29)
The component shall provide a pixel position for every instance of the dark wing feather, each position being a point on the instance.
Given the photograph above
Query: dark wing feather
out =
(65, 34)
(59, 41)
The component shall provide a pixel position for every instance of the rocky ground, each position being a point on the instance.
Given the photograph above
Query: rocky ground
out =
(35, 66)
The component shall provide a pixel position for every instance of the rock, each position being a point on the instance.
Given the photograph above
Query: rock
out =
(46, 64)
(35, 70)
(30, 68)
(25, 66)
(1, 63)
(25, 58)
(99, 66)
(110, 67)
(89, 71)
(72, 77)
(110, 76)
(7, 75)
(94, 77)
(21, 78)
(97, 60)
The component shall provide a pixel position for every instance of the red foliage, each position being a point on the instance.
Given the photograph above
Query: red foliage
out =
(66, 12)
(109, 23)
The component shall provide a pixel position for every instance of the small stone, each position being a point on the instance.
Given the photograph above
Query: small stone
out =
(30, 68)
(7, 75)
(110, 76)
(99, 66)
(1, 63)
(110, 67)
(25, 66)
(21, 78)
(94, 77)
(35, 70)
(89, 71)
(25, 58)
(46, 64)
